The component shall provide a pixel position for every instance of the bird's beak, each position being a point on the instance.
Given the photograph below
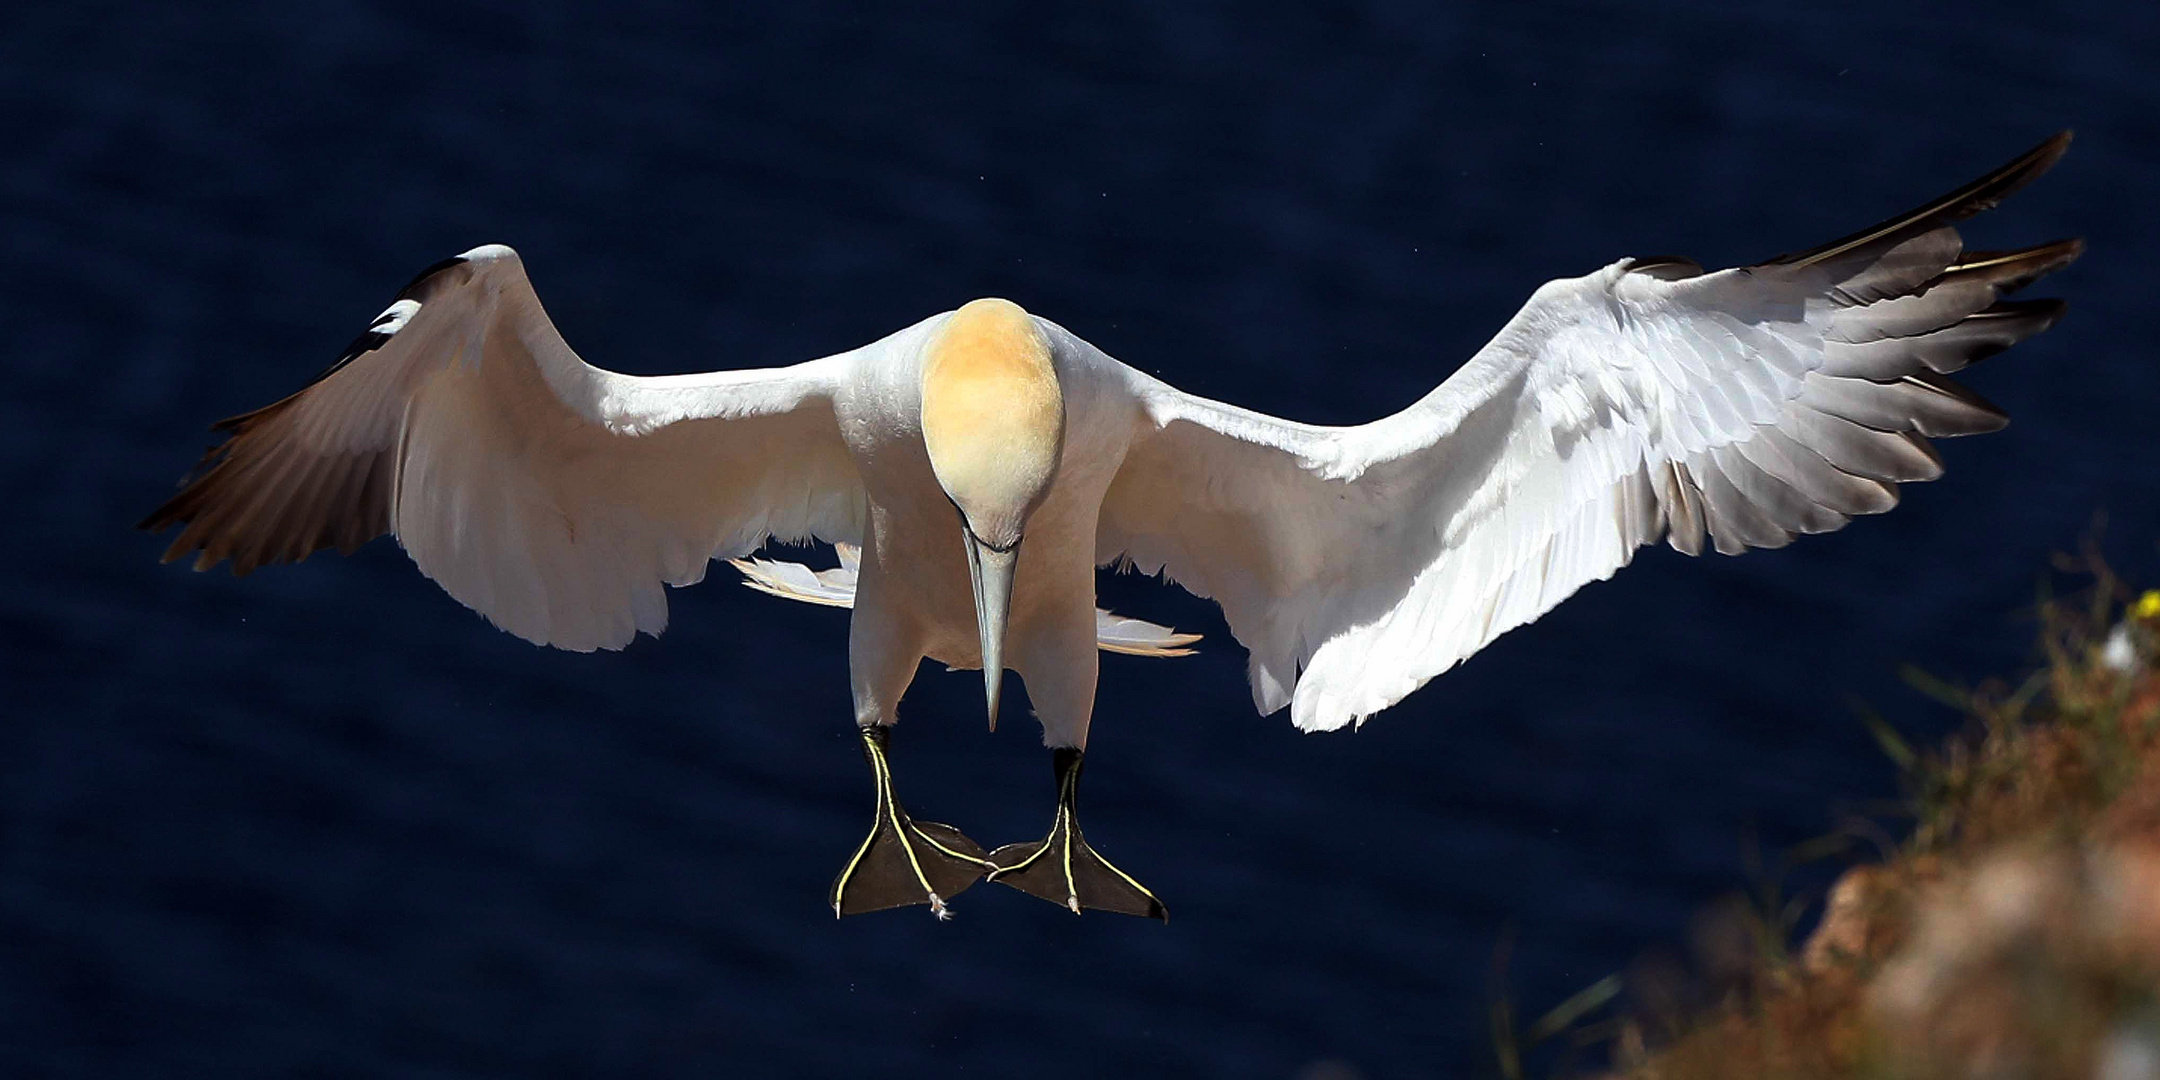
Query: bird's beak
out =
(991, 572)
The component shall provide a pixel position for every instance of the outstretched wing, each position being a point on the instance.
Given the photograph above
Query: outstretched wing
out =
(1646, 400)
(551, 496)
(836, 588)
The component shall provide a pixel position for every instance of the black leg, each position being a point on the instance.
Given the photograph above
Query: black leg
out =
(1063, 869)
(904, 861)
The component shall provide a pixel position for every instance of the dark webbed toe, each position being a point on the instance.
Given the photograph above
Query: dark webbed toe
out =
(904, 862)
(1064, 870)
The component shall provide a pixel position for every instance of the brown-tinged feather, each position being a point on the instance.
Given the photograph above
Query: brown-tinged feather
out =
(1981, 194)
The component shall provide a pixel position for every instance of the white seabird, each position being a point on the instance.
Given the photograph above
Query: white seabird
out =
(1646, 400)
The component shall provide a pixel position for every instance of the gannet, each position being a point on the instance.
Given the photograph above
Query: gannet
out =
(977, 468)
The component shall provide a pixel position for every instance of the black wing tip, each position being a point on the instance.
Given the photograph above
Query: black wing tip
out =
(2001, 182)
(1982, 194)
(368, 341)
(423, 277)
(2010, 271)
(2049, 309)
(1666, 267)
(2064, 252)
(2048, 316)
(2055, 253)
(178, 509)
(2026, 318)
(173, 511)
(232, 423)
(1957, 391)
(2050, 150)
(1990, 190)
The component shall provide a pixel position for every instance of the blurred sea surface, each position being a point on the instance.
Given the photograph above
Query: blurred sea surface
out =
(325, 822)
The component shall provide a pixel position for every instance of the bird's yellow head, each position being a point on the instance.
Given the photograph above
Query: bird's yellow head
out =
(993, 420)
(993, 417)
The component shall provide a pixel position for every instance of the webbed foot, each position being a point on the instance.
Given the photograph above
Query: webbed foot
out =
(1064, 870)
(904, 861)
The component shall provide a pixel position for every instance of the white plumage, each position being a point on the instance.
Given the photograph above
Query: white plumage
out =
(1645, 400)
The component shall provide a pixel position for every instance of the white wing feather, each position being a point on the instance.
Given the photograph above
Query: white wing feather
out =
(835, 587)
(1641, 401)
(553, 497)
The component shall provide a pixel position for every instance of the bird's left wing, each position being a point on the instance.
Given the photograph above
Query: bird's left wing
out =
(1646, 400)
(553, 497)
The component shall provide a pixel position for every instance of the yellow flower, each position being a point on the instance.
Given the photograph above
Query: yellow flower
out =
(2147, 606)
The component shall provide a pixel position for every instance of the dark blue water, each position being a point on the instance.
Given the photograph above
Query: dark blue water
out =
(325, 822)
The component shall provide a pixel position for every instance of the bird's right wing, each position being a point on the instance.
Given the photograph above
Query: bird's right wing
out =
(1646, 400)
(551, 496)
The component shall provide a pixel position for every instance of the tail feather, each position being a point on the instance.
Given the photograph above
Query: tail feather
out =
(836, 588)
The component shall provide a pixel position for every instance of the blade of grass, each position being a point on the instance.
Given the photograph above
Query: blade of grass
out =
(1935, 688)
(1574, 1008)
(1893, 744)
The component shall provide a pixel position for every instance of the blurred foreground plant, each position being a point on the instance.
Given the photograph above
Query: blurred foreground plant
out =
(2016, 932)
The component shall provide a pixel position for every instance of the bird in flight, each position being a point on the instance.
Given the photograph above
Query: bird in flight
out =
(976, 468)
